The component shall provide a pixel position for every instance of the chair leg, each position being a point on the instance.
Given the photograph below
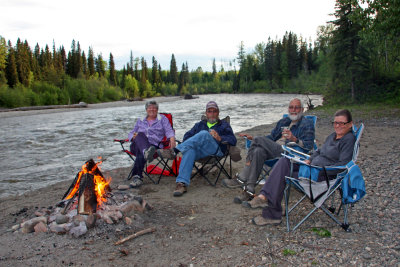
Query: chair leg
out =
(286, 193)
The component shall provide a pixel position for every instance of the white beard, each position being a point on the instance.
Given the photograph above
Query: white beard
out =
(295, 117)
(212, 120)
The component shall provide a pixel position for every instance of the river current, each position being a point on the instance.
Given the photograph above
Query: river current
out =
(43, 149)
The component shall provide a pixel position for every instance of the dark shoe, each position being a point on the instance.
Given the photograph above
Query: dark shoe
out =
(137, 182)
(149, 153)
(255, 203)
(261, 221)
(168, 153)
(244, 196)
(180, 189)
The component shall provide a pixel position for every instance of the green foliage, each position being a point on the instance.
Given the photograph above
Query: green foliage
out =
(288, 252)
(321, 232)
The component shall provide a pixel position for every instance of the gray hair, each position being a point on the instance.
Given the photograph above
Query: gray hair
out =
(151, 102)
(293, 99)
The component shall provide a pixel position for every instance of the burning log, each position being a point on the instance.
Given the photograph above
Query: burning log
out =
(89, 186)
(87, 200)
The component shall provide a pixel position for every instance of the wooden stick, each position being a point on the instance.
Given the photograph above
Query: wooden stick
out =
(145, 231)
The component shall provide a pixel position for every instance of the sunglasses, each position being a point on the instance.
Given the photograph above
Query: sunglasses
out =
(339, 123)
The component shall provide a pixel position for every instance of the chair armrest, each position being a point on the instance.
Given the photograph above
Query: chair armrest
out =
(294, 152)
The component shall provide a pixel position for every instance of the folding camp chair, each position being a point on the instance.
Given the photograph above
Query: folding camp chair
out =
(349, 183)
(161, 167)
(268, 164)
(204, 166)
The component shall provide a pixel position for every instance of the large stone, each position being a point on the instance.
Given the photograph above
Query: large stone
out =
(61, 219)
(130, 208)
(123, 187)
(57, 228)
(78, 230)
(40, 228)
(28, 226)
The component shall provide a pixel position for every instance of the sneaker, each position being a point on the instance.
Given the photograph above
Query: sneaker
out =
(149, 153)
(255, 203)
(137, 182)
(244, 196)
(180, 189)
(168, 153)
(261, 221)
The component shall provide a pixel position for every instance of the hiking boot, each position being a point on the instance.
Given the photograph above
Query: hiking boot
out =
(149, 153)
(255, 203)
(261, 221)
(244, 196)
(137, 182)
(180, 189)
(168, 153)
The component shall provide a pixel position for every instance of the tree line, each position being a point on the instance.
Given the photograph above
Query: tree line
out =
(355, 58)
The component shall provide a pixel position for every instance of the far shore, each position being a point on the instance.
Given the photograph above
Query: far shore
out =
(6, 113)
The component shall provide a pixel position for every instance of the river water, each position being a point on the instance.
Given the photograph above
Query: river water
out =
(43, 149)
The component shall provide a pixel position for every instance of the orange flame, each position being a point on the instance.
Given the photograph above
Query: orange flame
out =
(101, 183)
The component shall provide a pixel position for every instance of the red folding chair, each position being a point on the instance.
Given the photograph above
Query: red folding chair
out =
(161, 167)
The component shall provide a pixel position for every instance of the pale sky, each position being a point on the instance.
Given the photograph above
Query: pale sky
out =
(194, 31)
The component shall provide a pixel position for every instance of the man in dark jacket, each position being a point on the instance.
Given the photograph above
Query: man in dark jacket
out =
(294, 128)
(207, 137)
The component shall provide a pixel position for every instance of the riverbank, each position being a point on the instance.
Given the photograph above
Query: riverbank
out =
(6, 113)
(205, 227)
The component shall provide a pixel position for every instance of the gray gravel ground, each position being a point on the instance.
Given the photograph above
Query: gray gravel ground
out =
(205, 227)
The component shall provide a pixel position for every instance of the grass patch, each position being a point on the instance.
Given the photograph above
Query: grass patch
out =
(321, 232)
(288, 252)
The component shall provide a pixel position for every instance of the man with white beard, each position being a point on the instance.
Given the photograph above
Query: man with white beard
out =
(293, 128)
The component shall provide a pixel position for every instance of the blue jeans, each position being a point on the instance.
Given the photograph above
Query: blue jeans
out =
(196, 147)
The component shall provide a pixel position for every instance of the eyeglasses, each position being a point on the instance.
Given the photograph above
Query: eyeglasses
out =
(339, 123)
(212, 111)
(294, 107)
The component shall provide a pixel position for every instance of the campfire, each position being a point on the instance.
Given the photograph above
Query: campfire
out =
(89, 202)
(89, 187)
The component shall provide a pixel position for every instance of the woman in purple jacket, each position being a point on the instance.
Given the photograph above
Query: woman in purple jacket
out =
(146, 136)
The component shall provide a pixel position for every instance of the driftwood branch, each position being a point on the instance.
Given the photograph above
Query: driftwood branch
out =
(145, 231)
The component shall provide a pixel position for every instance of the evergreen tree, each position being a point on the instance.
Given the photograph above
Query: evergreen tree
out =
(3, 60)
(100, 66)
(22, 58)
(130, 66)
(214, 68)
(349, 59)
(11, 67)
(91, 67)
(78, 61)
(155, 78)
(113, 75)
(136, 73)
(173, 70)
(269, 62)
(84, 65)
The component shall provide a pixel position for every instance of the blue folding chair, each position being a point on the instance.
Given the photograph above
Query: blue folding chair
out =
(349, 183)
(268, 164)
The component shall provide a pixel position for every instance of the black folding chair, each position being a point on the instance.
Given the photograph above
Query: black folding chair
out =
(204, 166)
